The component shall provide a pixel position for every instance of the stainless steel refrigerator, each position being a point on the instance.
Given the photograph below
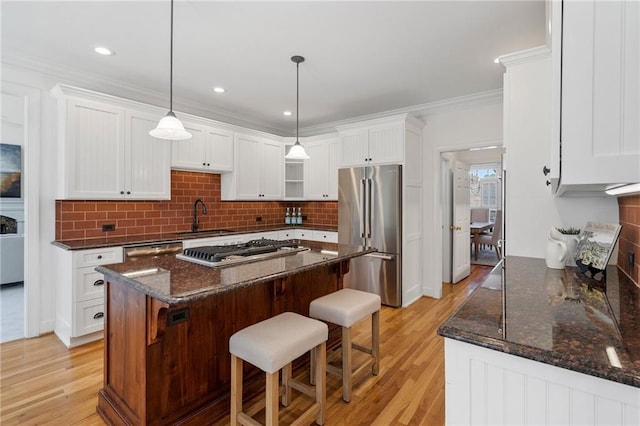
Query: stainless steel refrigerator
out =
(370, 215)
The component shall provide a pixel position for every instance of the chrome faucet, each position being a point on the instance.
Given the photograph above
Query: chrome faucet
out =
(195, 225)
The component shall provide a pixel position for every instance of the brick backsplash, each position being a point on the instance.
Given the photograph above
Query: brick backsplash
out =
(629, 235)
(84, 219)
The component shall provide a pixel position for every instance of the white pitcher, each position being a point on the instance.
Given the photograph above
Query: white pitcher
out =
(556, 250)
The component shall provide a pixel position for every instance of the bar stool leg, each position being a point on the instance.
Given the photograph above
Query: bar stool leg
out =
(236, 389)
(271, 415)
(375, 342)
(320, 365)
(312, 368)
(286, 376)
(346, 364)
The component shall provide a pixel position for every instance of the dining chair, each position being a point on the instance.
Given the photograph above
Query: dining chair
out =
(493, 238)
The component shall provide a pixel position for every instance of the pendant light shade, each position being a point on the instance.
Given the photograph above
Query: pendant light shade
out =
(297, 151)
(169, 126)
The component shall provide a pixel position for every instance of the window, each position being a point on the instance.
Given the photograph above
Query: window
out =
(483, 185)
(489, 193)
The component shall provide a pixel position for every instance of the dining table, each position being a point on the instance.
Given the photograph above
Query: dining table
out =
(477, 228)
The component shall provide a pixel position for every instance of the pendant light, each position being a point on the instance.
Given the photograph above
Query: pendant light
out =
(297, 150)
(169, 126)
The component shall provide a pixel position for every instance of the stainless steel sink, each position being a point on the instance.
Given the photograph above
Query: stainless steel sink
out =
(205, 232)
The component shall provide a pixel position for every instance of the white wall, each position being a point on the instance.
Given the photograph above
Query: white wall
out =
(450, 129)
(531, 208)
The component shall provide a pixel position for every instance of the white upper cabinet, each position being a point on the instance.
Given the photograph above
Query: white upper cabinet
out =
(105, 151)
(321, 169)
(146, 159)
(257, 172)
(380, 142)
(209, 150)
(599, 74)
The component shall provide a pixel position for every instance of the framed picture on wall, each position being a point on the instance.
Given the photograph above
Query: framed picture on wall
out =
(10, 171)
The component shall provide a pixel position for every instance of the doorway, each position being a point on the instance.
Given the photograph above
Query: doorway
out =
(20, 209)
(484, 192)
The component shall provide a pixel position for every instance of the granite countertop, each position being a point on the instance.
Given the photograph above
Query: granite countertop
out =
(128, 240)
(558, 317)
(177, 281)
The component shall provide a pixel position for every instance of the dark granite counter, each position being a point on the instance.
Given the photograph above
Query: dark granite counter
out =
(558, 317)
(175, 281)
(129, 240)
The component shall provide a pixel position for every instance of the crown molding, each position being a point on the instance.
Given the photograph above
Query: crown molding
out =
(95, 82)
(99, 83)
(417, 111)
(525, 56)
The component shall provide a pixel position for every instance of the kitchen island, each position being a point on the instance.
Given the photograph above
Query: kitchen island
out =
(534, 345)
(169, 321)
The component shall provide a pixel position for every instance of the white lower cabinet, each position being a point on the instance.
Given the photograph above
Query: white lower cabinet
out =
(307, 234)
(80, 312)
(326, 236)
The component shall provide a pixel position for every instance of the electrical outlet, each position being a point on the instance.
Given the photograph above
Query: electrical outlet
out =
(258, 218)
(108, 227)
(631, 259)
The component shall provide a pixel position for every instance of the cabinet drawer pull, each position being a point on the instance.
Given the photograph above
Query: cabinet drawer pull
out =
(99, 256)
(98, 315)
(98, 283)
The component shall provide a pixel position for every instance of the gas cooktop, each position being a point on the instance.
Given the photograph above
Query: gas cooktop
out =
(234, 254)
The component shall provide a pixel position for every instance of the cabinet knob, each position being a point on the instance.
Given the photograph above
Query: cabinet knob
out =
(98, 315)
(545, 170)
(548, 182)
(208, 164)
(369, 159)
(204, 164)
(98, 283)
(128, 192)
(121, 192)
(99, 256)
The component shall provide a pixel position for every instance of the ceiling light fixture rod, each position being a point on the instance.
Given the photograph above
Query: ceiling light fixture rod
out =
(297, 151)
(171, 62)
(169, 126)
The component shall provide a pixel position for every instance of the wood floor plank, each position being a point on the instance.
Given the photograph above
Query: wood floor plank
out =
(44, 383)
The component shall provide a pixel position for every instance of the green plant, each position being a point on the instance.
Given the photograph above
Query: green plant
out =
(569, 231)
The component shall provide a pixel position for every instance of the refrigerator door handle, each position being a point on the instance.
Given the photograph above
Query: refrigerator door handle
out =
(363, 187)
(369, 202)
(379, 256)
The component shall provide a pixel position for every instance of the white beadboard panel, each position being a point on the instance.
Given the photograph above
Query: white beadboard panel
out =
(190, 153)
(478, 394)
(607, 87)
(486, 387)
(631, 83)
(355, 148)
(557, 404)
(495, 394)
(148, 161)
(537, 397)
(385, 144)
(515, 387)
(582, 408)
(95, 149)
(219, 154)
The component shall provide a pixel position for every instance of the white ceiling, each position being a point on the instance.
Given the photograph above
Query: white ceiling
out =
(362, 58)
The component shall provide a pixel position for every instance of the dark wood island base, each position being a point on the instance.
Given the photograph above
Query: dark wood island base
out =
(170, 364)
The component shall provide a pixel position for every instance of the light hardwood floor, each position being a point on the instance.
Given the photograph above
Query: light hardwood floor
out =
(43, 382)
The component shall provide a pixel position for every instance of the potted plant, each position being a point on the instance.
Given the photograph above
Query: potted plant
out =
(571, 239)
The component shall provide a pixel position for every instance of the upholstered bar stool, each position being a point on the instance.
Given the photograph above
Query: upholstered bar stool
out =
(346, 307)
(271, 345)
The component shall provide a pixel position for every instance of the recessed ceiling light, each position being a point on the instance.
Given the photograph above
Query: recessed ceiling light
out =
(104, 51)
(287, 113)
(219, 89)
